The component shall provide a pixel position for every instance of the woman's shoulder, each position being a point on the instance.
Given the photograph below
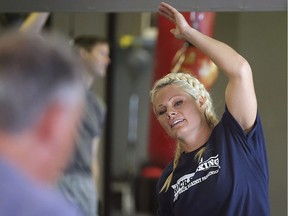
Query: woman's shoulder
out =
(229, 123)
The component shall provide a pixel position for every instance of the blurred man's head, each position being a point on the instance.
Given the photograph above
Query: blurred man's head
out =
(41, 101)
(95, 52)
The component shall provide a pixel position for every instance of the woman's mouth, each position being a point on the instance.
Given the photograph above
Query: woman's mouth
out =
(177, 121)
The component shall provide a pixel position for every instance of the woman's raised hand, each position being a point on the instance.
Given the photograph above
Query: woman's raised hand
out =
(176, 17)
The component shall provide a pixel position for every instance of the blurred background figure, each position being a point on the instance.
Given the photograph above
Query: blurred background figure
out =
(79, 184)
(80, 178)
(41, 103)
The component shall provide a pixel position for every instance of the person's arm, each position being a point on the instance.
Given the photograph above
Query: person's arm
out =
(34, 22)
(240, 94)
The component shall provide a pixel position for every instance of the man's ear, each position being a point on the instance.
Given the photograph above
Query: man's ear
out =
(46, 139)
(49, 124)
(83, 53)
(55, 133)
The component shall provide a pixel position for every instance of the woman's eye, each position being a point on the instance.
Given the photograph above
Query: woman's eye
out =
(161, 112)
(178, 103)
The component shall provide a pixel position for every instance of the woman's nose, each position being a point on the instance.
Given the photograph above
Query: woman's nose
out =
(171, 114)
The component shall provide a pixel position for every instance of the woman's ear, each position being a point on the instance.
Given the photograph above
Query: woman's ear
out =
(202, 103)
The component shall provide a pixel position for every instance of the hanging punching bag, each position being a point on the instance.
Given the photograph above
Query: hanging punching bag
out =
(175, 55)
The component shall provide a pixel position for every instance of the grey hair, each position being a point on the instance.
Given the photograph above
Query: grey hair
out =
(35, 71)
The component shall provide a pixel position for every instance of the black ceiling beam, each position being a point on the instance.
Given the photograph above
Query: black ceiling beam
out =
(139, 5)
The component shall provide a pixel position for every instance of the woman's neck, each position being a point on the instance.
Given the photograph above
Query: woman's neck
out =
(196, 139)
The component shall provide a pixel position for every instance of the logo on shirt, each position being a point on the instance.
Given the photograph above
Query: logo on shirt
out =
(187, 181)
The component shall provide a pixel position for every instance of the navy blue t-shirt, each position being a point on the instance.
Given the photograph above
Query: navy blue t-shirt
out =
(230, 179)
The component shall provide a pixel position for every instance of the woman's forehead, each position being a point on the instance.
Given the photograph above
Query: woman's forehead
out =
(170, 90)
(167, 93)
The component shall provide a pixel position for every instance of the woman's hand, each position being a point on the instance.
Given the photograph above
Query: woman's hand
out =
(176, 17)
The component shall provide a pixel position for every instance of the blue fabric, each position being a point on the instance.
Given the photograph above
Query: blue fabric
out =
(231, 178)
(20, 196)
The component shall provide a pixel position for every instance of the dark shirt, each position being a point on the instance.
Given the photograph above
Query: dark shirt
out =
(231, 178)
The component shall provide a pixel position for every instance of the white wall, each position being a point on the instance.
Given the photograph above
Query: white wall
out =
(262, 39)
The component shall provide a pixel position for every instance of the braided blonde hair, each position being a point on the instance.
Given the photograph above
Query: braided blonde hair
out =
(196, 90)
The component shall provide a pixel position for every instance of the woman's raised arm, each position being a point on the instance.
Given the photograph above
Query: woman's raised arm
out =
(240, 94)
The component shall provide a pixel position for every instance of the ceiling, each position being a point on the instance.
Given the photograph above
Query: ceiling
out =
(139, 5)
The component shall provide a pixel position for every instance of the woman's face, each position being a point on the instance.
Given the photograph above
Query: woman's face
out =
(177, 112)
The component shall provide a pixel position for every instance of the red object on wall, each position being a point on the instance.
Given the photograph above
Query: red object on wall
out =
(168, 50)
(191, 60)
(161, 147)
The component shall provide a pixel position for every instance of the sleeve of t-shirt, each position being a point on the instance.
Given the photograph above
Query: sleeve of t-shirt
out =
(252, 143)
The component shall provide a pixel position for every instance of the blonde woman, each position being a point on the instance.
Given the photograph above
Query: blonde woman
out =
(219, 168)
